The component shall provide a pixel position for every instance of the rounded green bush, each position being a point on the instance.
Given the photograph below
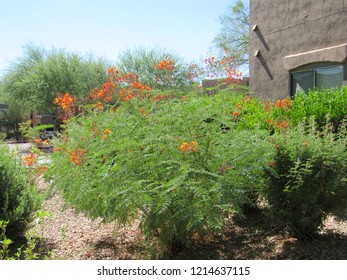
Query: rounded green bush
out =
(18, 196)
(307, 177)
(179, 166)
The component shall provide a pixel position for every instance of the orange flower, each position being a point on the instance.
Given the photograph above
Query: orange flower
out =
(166, 64)
(30, 159)
(112, 71)
(65, 101)
(189, 147)
(108, 131)
(278, 124)
(43, 168)
(283, 125)
(284, 103)
(99, 105)
(236, 114)
(77, 156)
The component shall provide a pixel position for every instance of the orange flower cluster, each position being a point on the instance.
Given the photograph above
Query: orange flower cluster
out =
(107, 132)
(65, 101)
(77, 156)
(136, 89)
(233, 77)
(30, 159)
(284, 103)
(283, 125)
(166, 65)
(66, 106)
(139, 86)
(126, 79)
(281, 104)
(105, 93)
(158, 97)
(213, 68)
(189, 147)
(279, 124)
(113, 71)
(40, 141)
(236, 114)
(126, 85)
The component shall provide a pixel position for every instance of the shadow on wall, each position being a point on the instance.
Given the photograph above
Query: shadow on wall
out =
(261, 38)
(259, 55)
(262, 61)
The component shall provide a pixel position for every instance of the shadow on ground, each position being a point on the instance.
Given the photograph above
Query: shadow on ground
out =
(256, 238)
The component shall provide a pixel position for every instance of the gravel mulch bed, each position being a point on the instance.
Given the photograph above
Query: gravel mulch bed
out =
(71, 236)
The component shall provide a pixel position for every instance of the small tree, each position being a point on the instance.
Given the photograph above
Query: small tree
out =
(36, 78)
(11, 117)
(233, 38)
(158, 68)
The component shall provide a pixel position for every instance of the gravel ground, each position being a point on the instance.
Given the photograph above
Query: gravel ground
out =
(72, 236)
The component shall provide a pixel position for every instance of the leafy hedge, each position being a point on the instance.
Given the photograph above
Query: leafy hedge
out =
(307, 177)
(326, 105)
(18, 195)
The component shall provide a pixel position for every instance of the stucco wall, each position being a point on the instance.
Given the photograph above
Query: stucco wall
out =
(286, 28)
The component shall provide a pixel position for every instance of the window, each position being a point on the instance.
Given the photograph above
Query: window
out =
(323, 77)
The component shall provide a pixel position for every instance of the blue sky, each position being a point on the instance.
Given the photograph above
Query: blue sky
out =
(107, 27)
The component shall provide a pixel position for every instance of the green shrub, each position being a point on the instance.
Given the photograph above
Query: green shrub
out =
(18, 196)
(177, 165)
(3, 136)
(307, 177)
(322, 104)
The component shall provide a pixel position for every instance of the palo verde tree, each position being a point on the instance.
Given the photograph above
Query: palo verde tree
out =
(233, 38)
(158, 68)
(38, 76)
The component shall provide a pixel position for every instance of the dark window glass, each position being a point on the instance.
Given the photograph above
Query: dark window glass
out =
(325, 77)
(329, 77)
(302, 81)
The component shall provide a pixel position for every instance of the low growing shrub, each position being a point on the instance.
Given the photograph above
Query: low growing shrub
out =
(307, 177)
(18, 196)
(178, 165)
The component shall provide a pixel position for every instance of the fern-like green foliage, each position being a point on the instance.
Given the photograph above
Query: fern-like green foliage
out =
(307, 176)
(180, 166)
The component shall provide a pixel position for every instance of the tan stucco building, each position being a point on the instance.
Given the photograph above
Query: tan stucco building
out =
(297, 45)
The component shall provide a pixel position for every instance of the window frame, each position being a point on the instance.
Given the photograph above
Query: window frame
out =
(314, 69)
